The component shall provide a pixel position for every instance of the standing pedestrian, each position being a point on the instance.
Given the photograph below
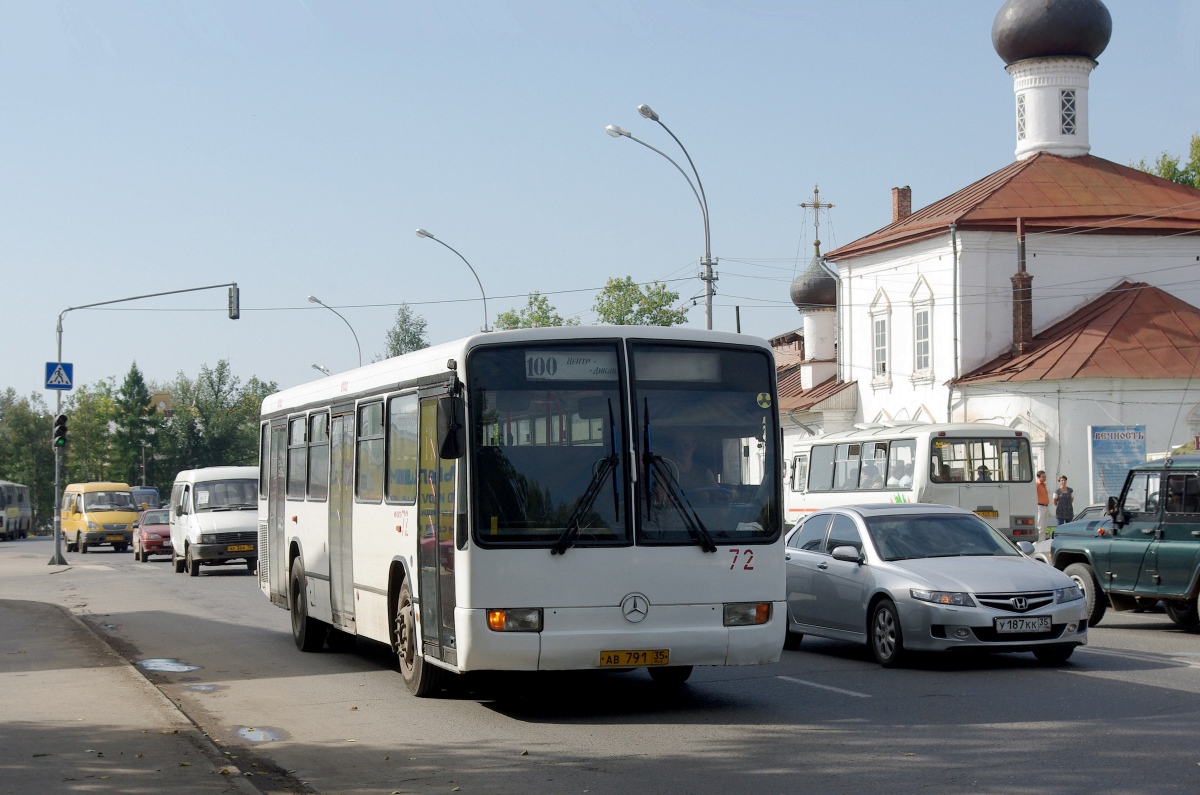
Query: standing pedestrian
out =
(1064, 502)
(1043, 511)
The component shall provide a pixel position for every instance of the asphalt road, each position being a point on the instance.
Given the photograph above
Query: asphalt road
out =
(1123, 716)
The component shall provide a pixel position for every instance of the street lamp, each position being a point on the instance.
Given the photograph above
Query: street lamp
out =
(324, 370)
(423, 233)
(708, 277)
(312, 299)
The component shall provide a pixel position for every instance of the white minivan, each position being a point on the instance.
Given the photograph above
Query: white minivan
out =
(214, 518)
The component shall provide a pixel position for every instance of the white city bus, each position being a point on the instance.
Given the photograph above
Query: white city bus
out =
(981, 467)
(558, 498)
(16, 513)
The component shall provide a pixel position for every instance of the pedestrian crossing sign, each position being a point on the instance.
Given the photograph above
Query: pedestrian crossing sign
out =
(60, 375)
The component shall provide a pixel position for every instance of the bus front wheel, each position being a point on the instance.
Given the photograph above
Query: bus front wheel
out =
(309, 633)
(420, 678)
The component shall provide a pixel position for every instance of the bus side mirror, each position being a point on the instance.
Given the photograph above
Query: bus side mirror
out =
(179, 509)
(451, 432)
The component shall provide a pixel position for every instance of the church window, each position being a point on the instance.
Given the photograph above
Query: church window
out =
(921, 335)
(1020, 117)
(880, 368)
(1068, 111)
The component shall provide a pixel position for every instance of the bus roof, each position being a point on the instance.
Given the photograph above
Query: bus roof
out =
(432, 361)
(97, 485)
(902, 428)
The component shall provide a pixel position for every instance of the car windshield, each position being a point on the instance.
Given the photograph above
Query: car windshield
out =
(936, 536)
(156, 517)
(548, 447)
(226, 495)
(706, 428)
(107, 501)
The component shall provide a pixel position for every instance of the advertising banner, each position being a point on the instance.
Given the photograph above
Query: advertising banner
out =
(1112, 450)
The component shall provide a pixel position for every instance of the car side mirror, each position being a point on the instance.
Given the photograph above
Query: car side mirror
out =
(847, 553)
(1025, 547)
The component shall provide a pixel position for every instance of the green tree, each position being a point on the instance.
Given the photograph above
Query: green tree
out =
(136, 425)
(1168, 166)
(622, 302)
(89, 446)
(406, 335)
(25, 453)
(538, 313)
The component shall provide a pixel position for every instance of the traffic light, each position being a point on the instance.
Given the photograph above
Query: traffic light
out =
(60, 431)
(235, 310)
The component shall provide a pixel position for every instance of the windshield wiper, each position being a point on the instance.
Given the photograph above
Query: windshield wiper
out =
(600, 472)
(674, 492)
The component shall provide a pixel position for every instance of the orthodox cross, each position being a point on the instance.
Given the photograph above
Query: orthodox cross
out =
(816, 205)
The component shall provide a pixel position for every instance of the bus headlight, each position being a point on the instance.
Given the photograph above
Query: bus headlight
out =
(743, 614)
(515, 619)
(93, 526)
(208, 538)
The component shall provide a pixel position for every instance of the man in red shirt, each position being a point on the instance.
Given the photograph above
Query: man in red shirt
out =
(1043, 497)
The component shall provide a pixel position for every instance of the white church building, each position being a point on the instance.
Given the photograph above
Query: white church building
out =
(1056, 296)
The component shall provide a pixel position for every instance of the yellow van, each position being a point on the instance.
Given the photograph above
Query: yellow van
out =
(98, 514)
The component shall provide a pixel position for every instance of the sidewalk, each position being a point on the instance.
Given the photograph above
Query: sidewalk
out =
(76, 717)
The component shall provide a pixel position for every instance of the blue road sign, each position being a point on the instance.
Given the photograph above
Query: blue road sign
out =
(60, 375)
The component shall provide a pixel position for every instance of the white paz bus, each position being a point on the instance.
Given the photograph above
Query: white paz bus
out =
(981, 467)
(558, 498)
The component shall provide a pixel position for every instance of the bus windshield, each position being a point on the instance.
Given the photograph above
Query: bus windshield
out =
(980, 460)
(548, 448)
(107, 501)
(226, 495)
(706, 426)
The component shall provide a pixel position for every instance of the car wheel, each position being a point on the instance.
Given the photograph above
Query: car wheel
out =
(252, 565)
(1184, 613)
(670, 675)
(792, 640)
(190, 564)
(307, 632)
(887, 640)
(137, 553)
(71, 547)
(1096, 601)
(1054, 655)
(421, 678)
(176, 561)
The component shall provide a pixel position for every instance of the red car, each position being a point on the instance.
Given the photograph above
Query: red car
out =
(151, 534)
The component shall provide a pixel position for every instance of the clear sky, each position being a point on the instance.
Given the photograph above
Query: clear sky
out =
(293, 147)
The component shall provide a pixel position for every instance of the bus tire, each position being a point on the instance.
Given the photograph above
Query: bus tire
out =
(119, 548)
(82, 545)
(176, 561)
(421, 679)
(1093, 597)
(307, 632)
(670, 675)
(792, 640)
(190, 564)
(70, 546)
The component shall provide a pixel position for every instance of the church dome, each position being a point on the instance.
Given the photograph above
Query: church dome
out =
(814, 287)
(1051, 29)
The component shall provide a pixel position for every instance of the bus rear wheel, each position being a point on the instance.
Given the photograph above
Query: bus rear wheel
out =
(420, 678)
(309, 633)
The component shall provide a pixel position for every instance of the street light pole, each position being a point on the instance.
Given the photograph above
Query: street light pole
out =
(707, 276)
(312, 299)
(324, 370)
(57, 558)
(423, 233)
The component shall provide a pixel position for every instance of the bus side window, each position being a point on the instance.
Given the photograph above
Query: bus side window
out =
(874, 465)
(846, 465)
(799, 472)
(820, 468)
(901, 458)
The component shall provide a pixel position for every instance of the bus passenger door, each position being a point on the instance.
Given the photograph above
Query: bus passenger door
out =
(435, 553)
(277, 559)
(341, 517)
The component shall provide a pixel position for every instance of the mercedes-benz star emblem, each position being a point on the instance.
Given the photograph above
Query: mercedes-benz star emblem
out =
(635, 607)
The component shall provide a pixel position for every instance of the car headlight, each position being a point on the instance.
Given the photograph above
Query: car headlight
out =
(520, 619)
(153, 535)
(943, 597)
(93, 526)
(1068, 594)
(208, 538)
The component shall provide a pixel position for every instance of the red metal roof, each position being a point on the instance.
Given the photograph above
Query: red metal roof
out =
(1132, 331)
(793, 397)
(1051, 193)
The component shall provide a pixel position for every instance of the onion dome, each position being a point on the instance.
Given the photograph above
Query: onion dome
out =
(815, 287)
(1051, 29)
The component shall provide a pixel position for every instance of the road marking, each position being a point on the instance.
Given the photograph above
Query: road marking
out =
(823, 687)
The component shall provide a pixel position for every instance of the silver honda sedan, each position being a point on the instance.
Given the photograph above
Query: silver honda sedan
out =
(925, 577)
